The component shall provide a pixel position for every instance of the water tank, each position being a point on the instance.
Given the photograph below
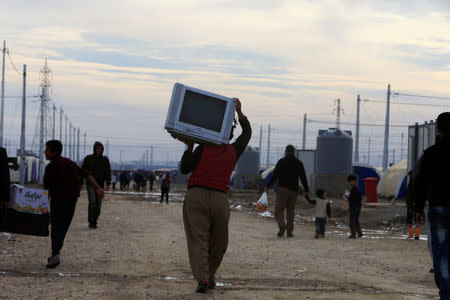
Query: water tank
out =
(334, 152)
(248, 163)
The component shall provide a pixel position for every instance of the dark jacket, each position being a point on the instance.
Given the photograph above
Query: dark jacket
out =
(410, 195)
(190, 160)
(4, 176)
(431, 182)
(288, 170)
(165, 184)
(98, 167)
(63, 178)
(355, 199)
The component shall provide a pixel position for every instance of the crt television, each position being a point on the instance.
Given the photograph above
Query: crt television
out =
(199, 116)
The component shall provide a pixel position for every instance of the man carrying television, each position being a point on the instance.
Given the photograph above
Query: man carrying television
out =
(206, 211)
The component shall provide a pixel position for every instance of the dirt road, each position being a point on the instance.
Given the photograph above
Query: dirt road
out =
(139, 251)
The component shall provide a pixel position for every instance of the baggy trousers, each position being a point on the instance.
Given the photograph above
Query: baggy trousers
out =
(61, 217)
(355, 227)
(95, 205)
(206, 214)
(286, 200)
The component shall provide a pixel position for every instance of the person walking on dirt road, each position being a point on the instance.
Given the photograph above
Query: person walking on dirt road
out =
(63, 179)
(288, 171)
(410, 210)
(98, 166)
(165, 188)
(354, 207)
(431, 183)
(206, 210)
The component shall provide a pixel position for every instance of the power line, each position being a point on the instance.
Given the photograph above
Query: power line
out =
(421, 96)
(14, 66)
(407, 103)
(21, 96)
(362, 124)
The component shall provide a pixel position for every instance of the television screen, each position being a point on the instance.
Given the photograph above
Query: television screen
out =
(203, 111)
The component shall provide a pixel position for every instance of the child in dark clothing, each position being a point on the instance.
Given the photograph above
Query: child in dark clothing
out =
(63, 178)
(354, 207)
(165, 188)
(410, 211)
(322, 211)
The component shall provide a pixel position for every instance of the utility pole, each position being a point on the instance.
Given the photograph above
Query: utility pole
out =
(151, 155)
(2, 117)
(268, 145)
(78, 146)
(42, 138)
(60, 123)
(74, 153)
(358, 103)
(401, 149)
(70, 141)
(304, 132)
(260, 144)
(338, 110)
(54, 121)
(65, 139)
(84, 149)
(386, 130)
(22, 131)
(368, 155)
(260, 138)
(45, 84)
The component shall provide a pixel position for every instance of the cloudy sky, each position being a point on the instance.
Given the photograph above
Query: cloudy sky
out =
(114, 64)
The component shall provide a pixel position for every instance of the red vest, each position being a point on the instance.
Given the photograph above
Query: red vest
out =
(215, 167)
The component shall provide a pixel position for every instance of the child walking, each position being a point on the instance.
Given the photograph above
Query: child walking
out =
(354, 207)
(323, 210)
(410, 210)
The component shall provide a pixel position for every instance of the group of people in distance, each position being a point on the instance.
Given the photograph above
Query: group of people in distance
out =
(140, 177)
(206, 210)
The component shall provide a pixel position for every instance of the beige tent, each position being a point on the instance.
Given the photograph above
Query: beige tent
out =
(390, 180)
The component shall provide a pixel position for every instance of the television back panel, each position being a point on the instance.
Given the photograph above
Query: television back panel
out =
(199, 116)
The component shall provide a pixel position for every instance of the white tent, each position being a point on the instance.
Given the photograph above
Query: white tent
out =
(391, 179)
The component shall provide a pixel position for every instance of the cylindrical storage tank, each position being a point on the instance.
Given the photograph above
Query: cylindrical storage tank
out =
(248, 163)
(334, 152)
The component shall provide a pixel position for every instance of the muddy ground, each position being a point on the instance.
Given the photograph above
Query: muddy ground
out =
(139, 251)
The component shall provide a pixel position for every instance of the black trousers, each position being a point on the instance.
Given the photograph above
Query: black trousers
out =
(166, 193)
(61, 217)
(355, 228)
(95, 205)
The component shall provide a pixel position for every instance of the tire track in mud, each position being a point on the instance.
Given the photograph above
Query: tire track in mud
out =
(232, 284)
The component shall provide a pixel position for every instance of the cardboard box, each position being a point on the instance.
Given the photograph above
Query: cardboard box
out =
(26, 200)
